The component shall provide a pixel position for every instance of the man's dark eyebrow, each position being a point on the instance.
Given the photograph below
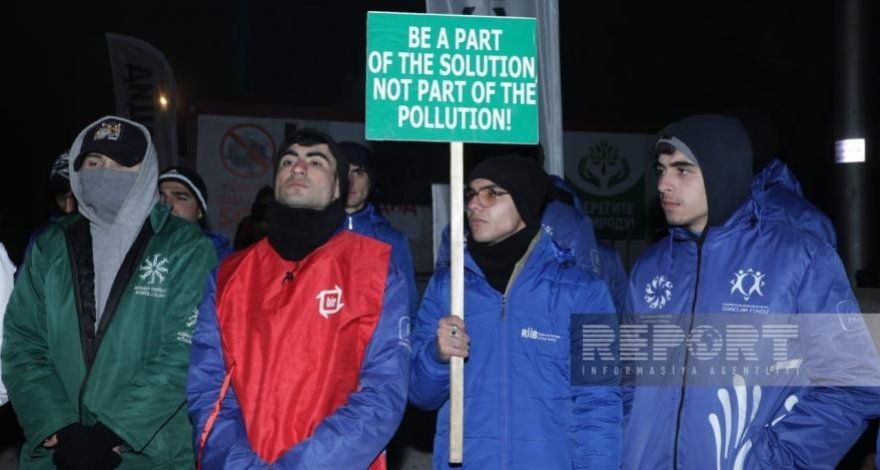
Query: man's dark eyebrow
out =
(682, 164)
(490, 186)
(313, 153)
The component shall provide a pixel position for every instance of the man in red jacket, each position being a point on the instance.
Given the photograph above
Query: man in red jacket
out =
(300, 356)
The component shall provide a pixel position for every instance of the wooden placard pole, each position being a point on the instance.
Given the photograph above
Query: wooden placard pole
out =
(456, 364)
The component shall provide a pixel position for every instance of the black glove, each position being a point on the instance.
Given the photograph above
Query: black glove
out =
(69, 438)
(86, 448)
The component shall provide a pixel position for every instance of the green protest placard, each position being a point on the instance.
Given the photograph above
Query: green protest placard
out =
(451, 78)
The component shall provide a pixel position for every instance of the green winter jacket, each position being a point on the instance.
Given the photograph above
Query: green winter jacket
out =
(130, 372)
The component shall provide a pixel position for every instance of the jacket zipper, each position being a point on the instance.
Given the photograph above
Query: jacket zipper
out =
(99, 336)
(104, 324)
(504, 384)
(685, 375)
(74, 272)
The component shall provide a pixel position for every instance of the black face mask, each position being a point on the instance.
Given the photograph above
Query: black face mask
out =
(296, 232)
(497, 261)
(105, 190)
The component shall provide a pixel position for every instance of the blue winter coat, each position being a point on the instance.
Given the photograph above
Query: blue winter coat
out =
(783, 200)
(369, 222)
(573, 229)
(773, 242)
(221, 245)
(614, 274)
(521, 410)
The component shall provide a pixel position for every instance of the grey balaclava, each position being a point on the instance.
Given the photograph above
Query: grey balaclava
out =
(720, 146)
(116, 203)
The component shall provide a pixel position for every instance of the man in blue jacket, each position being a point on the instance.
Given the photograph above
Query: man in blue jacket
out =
(521, 291)
(744, 251)
(566, 223)
(185, 191)
(362, 217)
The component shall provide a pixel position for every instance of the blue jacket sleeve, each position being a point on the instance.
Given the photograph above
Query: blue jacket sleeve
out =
(598, 411)
(227, 445)
(628, 316)
(357, 432)
(614, 274)
(402, 256)
(574, 231)
(442, 258)
(842, 362)
(587, 249)
(429, 380)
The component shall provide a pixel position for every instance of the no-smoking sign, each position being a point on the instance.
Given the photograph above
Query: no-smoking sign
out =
(247, 150)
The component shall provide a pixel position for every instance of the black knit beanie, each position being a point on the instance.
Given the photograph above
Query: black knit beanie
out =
(527, 183)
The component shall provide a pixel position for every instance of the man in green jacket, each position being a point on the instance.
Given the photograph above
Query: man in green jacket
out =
(97, 331)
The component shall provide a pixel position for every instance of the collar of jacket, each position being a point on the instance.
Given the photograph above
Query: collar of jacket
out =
(367, 214)
(537, 249)
(159, 215)
(746, 217)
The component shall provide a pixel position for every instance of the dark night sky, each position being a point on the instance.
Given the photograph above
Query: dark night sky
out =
(626, 66)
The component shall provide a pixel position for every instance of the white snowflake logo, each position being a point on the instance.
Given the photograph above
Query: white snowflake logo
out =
(154, 269)
(658, 292)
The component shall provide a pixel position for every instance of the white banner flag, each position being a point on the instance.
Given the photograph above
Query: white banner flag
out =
(143, 83)
(549, 83)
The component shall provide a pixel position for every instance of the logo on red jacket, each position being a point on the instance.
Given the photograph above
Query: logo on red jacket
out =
(330, 301)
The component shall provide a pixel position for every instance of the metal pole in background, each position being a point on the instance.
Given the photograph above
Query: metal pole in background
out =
(850, 126)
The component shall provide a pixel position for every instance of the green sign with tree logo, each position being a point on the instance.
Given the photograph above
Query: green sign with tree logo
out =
(607, 170)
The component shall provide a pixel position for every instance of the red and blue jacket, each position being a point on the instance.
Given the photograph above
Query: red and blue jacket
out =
(300, 364)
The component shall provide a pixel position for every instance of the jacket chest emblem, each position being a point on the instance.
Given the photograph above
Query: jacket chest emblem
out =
(748, 283)
(330, 301)
(154, 269)
(658, 292)
(151, 277)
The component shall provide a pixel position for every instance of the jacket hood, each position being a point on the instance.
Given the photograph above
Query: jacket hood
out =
(776, 175)
(775, 195)
(723, 152)
(143, 194)
(778, 196)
